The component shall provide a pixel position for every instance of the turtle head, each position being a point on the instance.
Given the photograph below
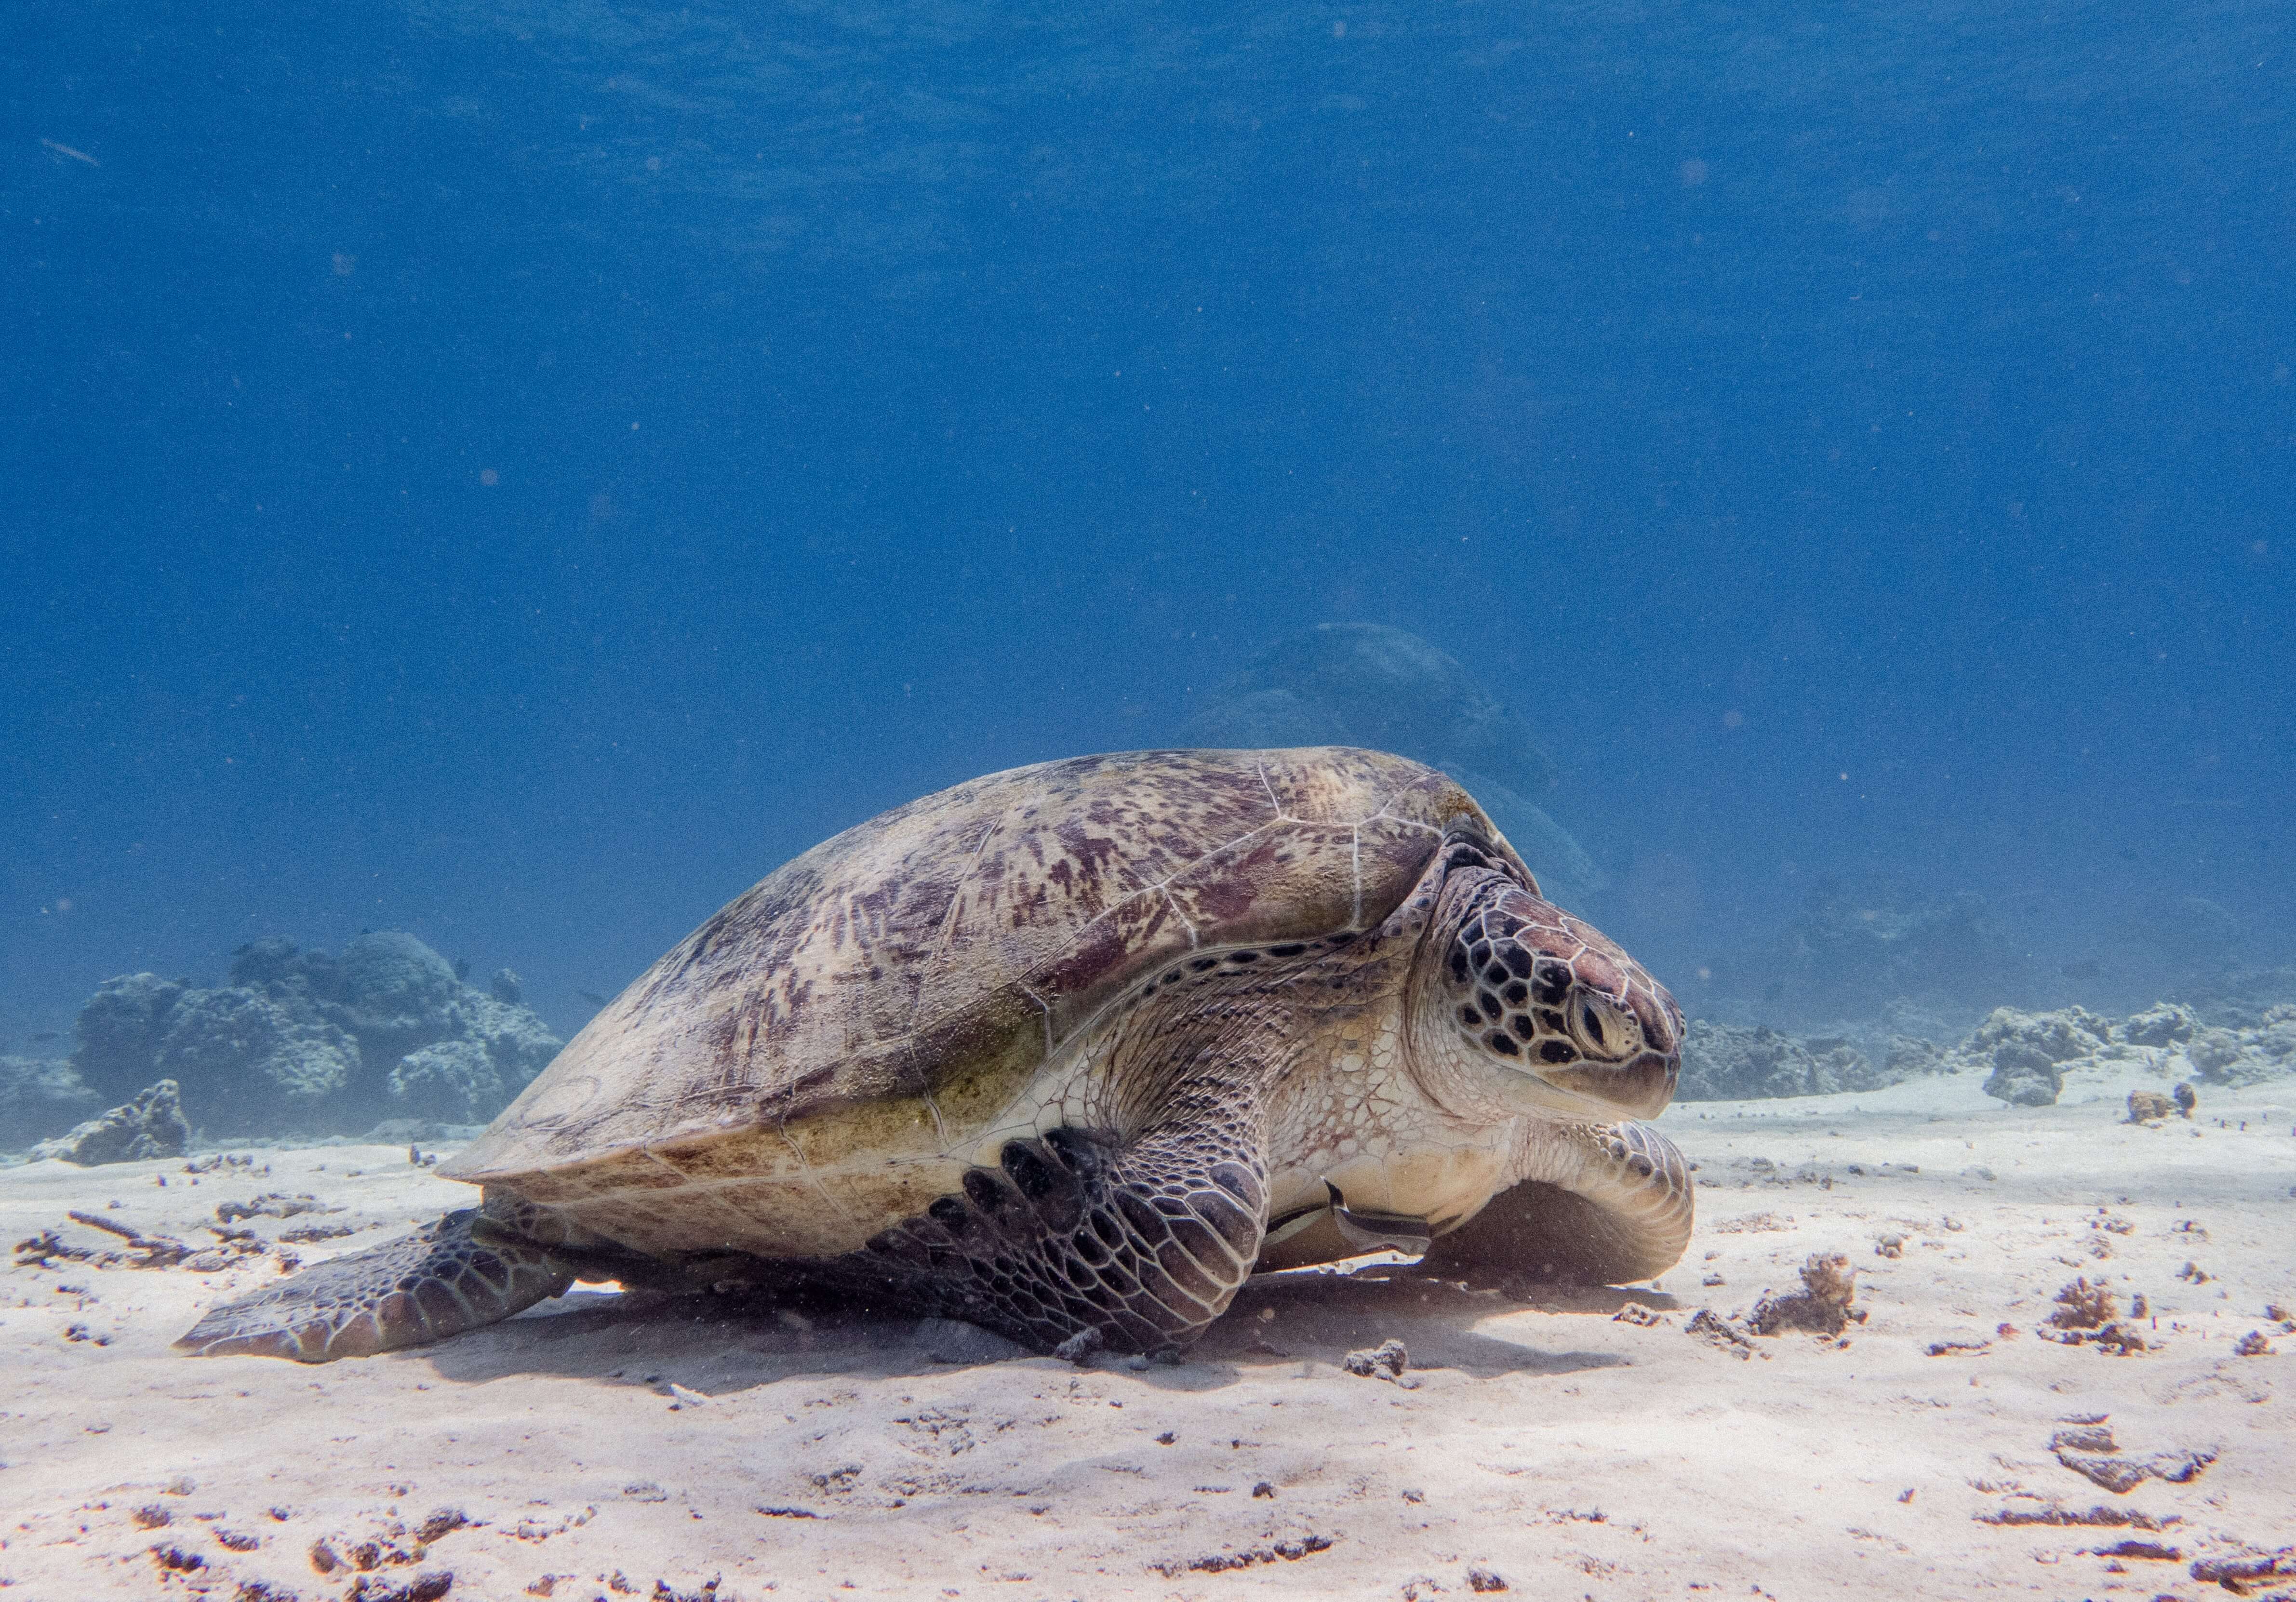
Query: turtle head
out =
(1546, 1007)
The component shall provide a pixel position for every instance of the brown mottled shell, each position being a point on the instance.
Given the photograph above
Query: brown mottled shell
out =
(941, 950)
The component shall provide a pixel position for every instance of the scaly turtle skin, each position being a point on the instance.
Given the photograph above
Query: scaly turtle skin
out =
(1067, 1052)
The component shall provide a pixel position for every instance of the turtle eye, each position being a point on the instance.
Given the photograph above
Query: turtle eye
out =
(1601, 1028)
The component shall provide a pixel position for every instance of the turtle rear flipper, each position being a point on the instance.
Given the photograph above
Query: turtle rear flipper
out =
(464, 1271)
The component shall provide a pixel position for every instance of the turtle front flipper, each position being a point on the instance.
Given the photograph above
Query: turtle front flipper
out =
(1075, 1241)
(1598, 1204)
(465, 1270)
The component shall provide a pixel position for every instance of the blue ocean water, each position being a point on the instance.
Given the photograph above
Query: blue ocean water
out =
(515, 471)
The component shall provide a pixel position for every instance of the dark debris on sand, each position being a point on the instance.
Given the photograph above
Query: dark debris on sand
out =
(1823, 1305)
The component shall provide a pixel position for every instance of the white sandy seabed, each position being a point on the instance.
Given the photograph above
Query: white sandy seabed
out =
(1541, 1444)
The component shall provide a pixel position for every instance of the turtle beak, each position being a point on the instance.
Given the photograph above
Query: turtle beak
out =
(1638, 1087)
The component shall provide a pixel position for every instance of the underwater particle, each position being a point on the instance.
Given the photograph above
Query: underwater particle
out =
(489, 478)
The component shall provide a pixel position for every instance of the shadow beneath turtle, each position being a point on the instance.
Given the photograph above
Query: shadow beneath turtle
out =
(711, 1345)
(1322, 1317)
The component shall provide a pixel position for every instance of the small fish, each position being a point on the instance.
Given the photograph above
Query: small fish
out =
(44, 1036)
(2088, 969)
(592, 997)
(66, 150)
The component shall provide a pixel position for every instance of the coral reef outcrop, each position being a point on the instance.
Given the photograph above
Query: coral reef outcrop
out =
(303, 1040)
(1727, 1062)
(117, 1036)
(253, 1060)
(2025, 1058)
(2027, 1051)
(2030, 1054)
(2242, 1056)
(454, 1082)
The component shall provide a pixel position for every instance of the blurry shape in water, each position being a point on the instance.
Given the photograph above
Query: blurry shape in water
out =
(1853, 949)
(1112, 1032)
(1368, 685)
(39, 1097)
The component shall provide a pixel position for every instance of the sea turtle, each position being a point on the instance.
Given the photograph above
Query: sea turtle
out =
(1069, 1052)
